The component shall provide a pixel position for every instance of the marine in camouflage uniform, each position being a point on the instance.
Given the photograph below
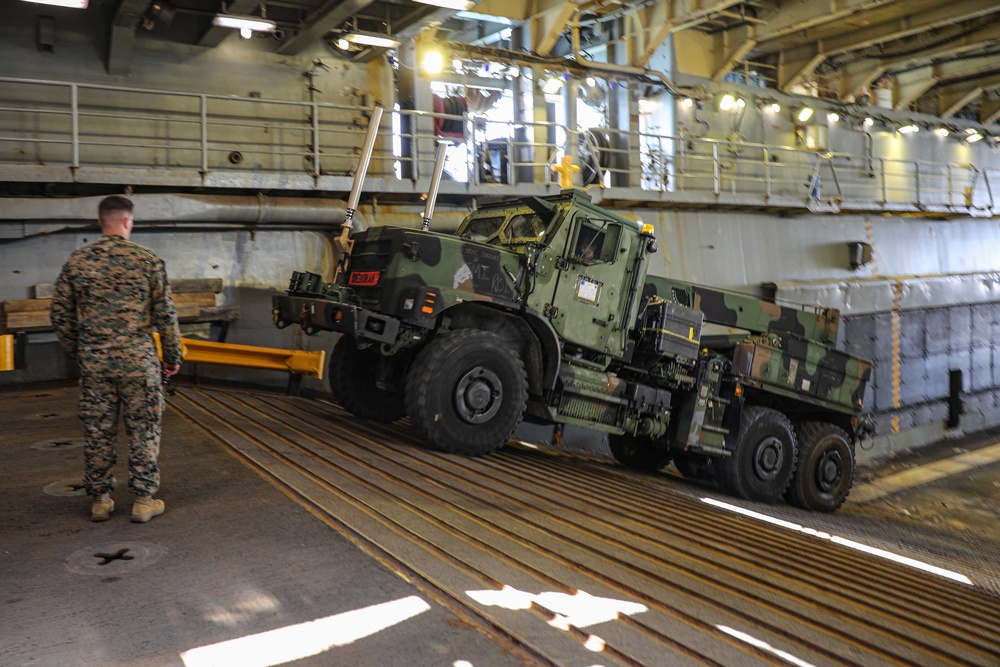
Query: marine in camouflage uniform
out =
(108, 299)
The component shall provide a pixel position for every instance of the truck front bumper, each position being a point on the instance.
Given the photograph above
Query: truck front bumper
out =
(315, 315)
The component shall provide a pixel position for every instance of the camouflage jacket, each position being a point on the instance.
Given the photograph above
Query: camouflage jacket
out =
(108, 299)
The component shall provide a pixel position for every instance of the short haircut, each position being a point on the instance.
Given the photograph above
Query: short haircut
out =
(113, 204)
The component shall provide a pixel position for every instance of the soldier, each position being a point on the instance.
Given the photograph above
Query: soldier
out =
(109, 297)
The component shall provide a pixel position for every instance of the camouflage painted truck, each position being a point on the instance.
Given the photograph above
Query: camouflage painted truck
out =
(541, 309)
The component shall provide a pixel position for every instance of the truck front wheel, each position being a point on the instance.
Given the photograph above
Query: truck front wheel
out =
(353, 374)
(466, 392)
(638, 453)
(825, 471)
(763, 462)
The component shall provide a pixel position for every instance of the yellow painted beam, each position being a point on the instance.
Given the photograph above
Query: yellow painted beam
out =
(7, 352)
(296, 362)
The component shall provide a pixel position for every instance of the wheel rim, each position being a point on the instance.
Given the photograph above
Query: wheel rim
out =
(768, 458)
(478, 395)
(829, 470)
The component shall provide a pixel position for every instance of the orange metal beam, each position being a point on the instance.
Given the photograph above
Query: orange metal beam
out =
(296, 362)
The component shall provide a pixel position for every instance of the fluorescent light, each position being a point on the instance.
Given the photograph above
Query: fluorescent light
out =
(909, 129)
(973, 136)
(369, 39)
(727, 102)
(238, 22)
(449, 4)
(72, 4)
(805, 113)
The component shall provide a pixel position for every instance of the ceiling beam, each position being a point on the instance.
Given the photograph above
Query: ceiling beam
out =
(122, 40)
(548, 27)
(733, 46)
(851, 38)
(908, 86)
(330, 16)
(989, 111)
(857, 76)
(794, 17)
(955, 46)
(793, 70)
(957, 96)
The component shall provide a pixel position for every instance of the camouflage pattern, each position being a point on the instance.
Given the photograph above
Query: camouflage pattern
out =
(108, 299)
(140, 402)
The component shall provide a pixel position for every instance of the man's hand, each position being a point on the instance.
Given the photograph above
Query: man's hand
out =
(170, 370)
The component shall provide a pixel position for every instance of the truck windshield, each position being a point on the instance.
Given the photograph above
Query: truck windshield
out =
(509, 229)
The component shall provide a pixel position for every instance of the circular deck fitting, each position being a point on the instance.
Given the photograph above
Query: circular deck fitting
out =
(59, 443)
(114, 558)
(66, 487)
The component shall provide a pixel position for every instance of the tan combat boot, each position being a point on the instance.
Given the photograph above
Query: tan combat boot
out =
(145, 508)
(102, 508)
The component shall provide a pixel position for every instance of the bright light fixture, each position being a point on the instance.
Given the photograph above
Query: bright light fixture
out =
(371, 39)
(648, 106)
(460, 5)
(72, 4)
(727, 102)
(688, 102)
(433, 62)
(973, 137)
(552, 86)
(942, 132)
(255, 23)
(246, 33)
(343, 44)
(869, 122)
(909, 129)
(805, 113)
(775, 107)
(740, 103)
(833, 117)
(591, 81)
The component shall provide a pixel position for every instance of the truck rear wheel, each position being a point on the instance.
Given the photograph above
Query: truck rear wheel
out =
(825, 470)
(466, 392)
(763, 462)
(638, 453)
(693, 466)
(352, 380)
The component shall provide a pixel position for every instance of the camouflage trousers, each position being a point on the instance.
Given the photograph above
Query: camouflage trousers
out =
(139, 400)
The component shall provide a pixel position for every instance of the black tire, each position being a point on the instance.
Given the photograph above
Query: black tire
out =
(352, 381)
(466, 392)
(638, 453)
(825, 471)
(763, 462)
(693, 466)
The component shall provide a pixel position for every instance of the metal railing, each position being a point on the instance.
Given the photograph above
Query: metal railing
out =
(52, 130)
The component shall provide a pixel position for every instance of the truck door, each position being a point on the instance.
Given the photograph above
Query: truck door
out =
(591, 288)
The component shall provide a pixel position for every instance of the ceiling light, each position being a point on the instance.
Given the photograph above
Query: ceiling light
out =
(371, 39)
(909, 129)
(591, 81)
(449, 4)
(727, 101)
(433, 62)
(775, 107)
(973, 137)
(343, 44)
(255, 23)
(869, 122)
(72, 4)
(805, 113)
(941, 132)
(246, 33)
(740, 103)
(832, 117)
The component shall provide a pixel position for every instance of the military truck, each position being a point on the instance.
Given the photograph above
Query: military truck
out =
(541, 309)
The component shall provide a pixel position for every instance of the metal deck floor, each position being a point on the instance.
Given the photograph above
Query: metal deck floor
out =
(288, 521)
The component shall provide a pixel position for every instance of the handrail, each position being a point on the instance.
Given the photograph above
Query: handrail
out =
(85, 128)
